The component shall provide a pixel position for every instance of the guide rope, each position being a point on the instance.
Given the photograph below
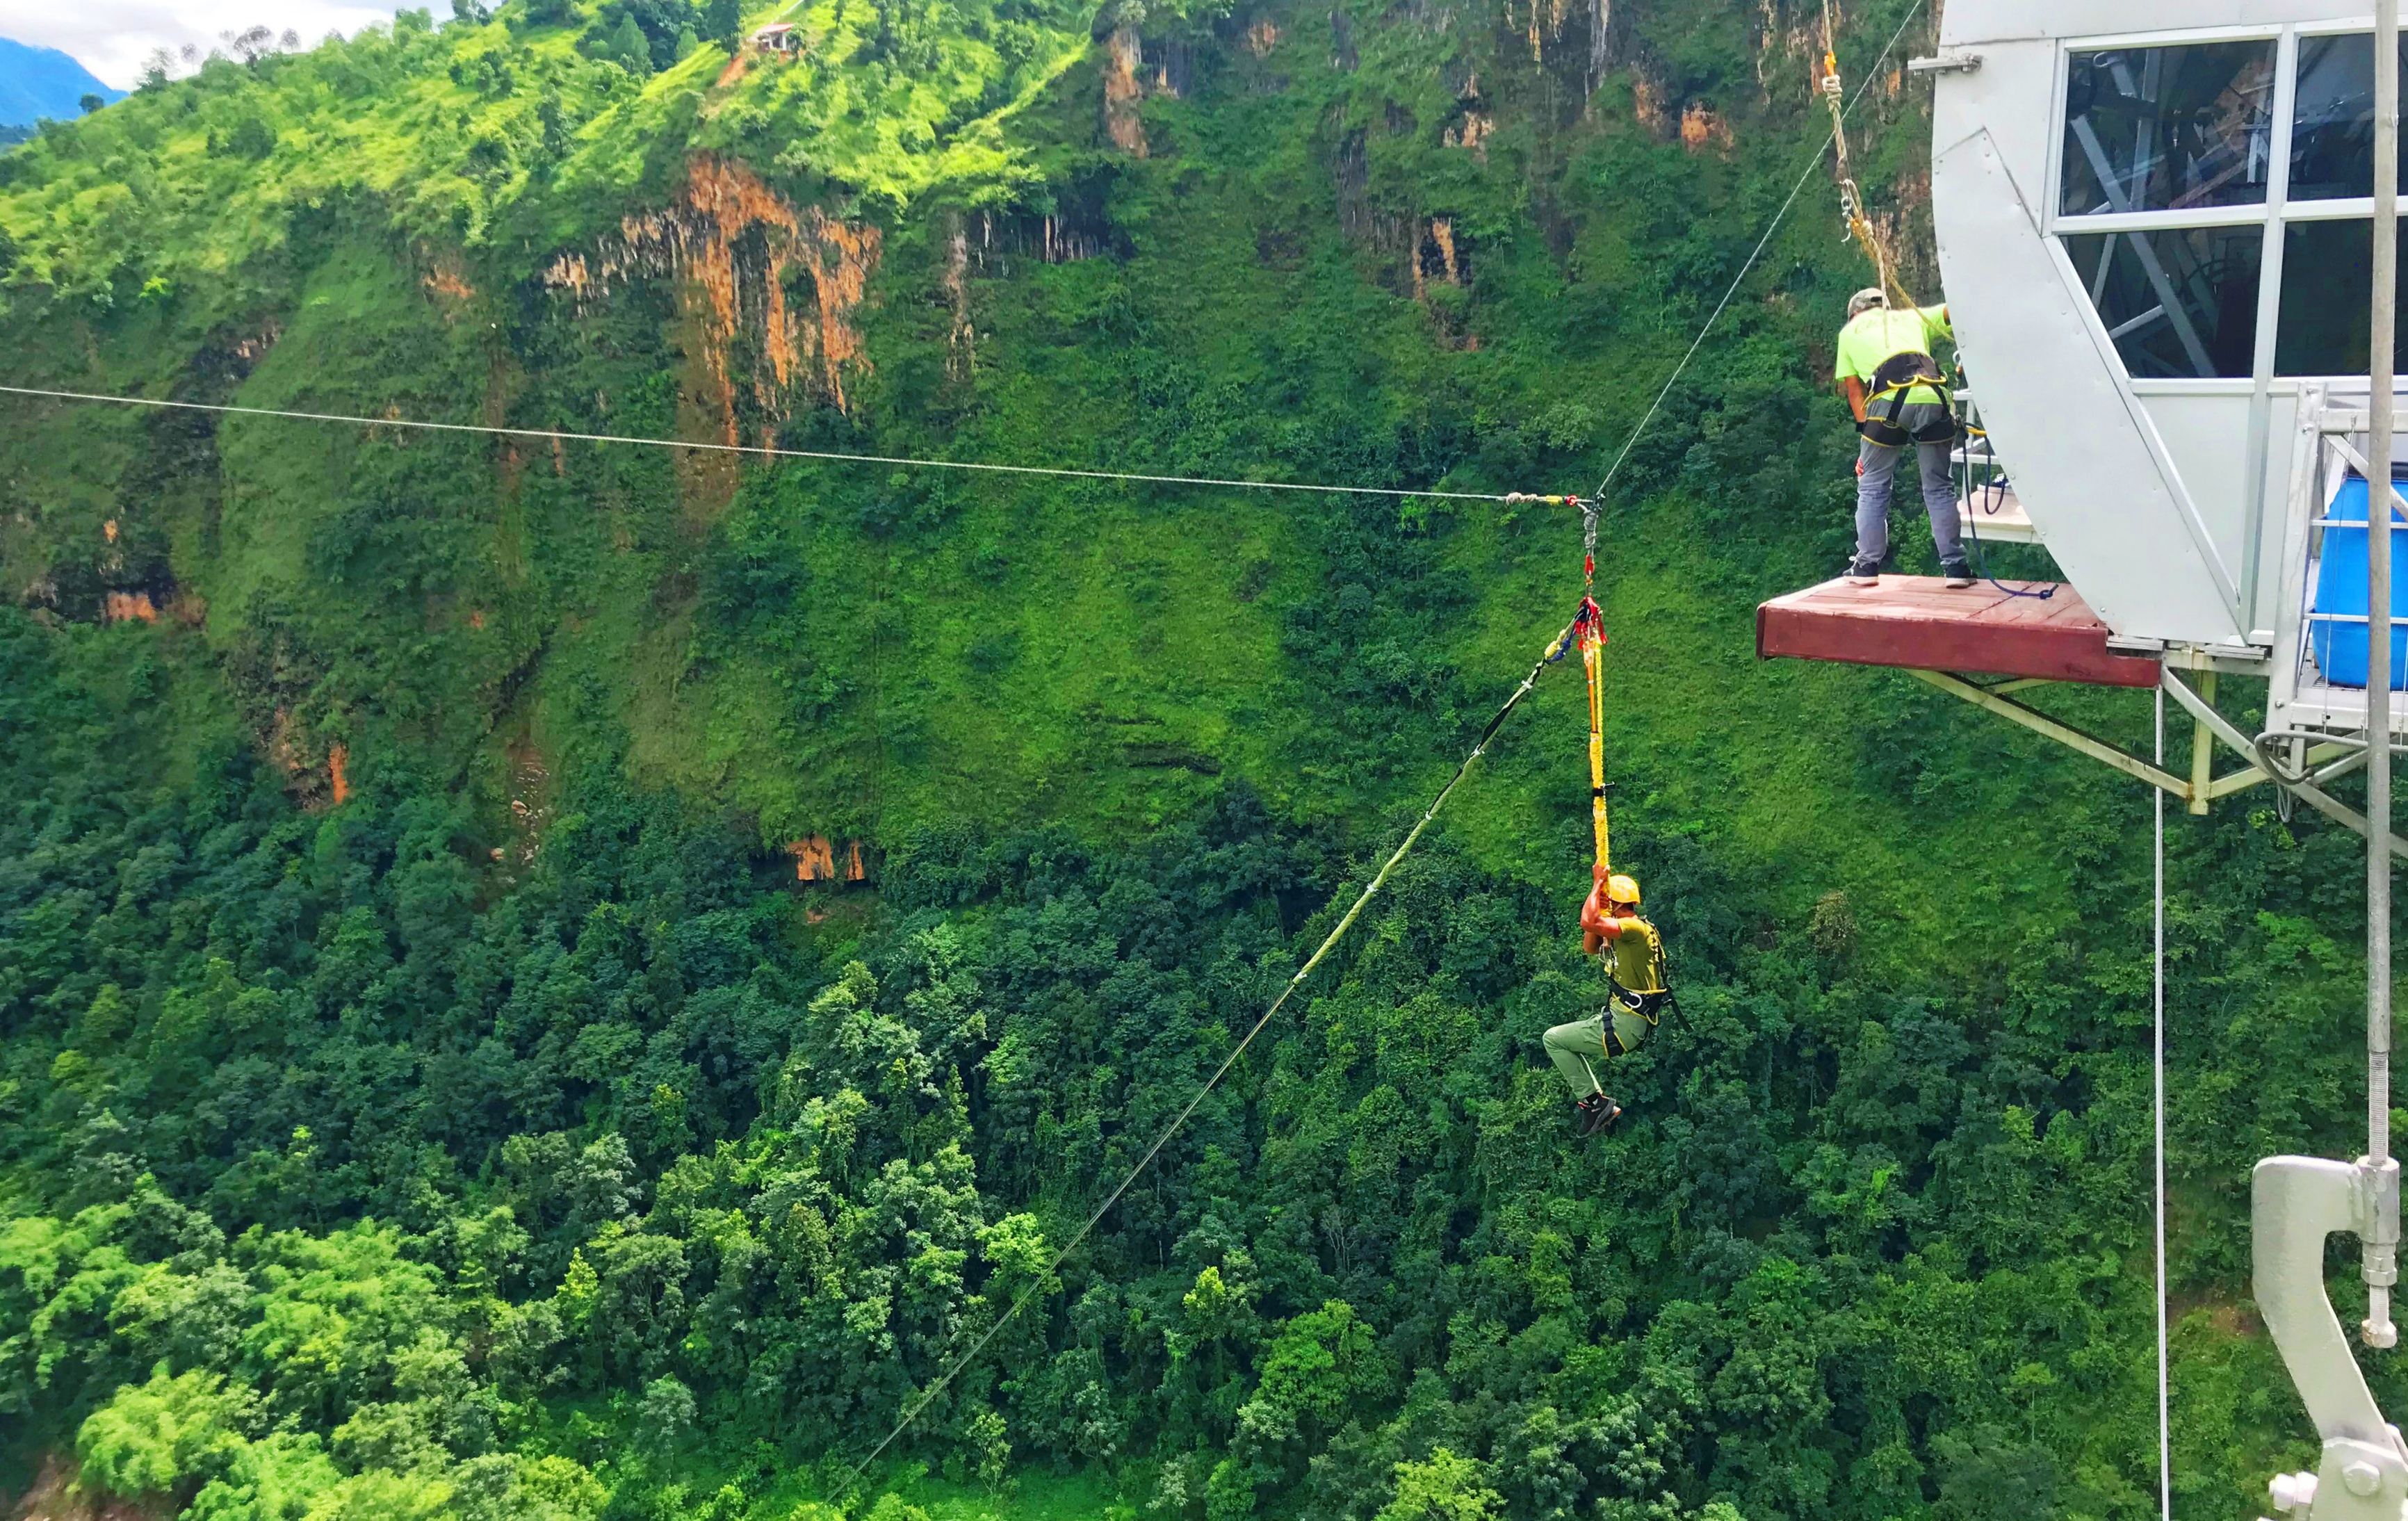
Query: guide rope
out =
(1852, 200)
(1982, 499)
(1805, 172)
(1553, 652)
(770, 451)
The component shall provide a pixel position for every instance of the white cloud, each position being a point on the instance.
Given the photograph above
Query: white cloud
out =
(112, 38)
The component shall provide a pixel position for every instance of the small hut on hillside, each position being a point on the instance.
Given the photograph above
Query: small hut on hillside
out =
(779, 38)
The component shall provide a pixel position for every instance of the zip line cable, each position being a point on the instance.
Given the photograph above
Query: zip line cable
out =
(1778, 217)
(768, 449)
(1464, 768)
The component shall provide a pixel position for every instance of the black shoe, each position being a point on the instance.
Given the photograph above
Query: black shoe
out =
(1864, 573)
(1958, 573)
(1596, 1114)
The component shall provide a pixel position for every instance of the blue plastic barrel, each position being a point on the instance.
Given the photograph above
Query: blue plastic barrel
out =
(2340, 648)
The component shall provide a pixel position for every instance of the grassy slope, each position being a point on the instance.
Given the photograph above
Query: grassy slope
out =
(1152, 631)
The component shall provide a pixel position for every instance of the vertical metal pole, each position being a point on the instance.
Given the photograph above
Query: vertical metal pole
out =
(2158, 1032)
(2381, 1241)
(2202, 754)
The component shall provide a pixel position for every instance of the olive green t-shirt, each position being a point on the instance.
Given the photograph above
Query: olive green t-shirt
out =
(1638, 951)
(1872, 336)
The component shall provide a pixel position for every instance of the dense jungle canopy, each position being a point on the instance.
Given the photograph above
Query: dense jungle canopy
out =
(429, 1088)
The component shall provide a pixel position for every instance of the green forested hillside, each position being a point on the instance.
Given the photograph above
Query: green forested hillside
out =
(427, 1090)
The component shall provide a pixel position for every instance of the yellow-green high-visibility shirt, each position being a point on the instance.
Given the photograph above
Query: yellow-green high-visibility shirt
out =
(1638, 954)
(1872, 336)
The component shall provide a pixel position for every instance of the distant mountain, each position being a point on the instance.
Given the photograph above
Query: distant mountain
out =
(36, 83)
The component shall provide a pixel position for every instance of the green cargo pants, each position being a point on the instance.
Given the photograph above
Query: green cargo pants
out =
(1574, 1046)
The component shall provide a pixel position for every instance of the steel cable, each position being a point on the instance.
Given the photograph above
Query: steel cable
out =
(766, 450)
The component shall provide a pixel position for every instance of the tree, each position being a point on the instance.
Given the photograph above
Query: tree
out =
(253, 43)
(664, 1418)
(1319, 1364)
(91, 103)
(626, 47)
(1445, 1488)
(158, 1437)
(723, 21)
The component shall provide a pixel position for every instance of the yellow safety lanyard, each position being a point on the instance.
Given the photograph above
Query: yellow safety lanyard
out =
(1588, 630)
(1587, 634)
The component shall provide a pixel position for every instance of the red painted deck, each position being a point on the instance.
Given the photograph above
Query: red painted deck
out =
(1919, 623)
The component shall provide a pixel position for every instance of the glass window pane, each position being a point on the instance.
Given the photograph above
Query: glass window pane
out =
(2328, 290)
(2179, 302)
(2332, 133)
(2150, 129)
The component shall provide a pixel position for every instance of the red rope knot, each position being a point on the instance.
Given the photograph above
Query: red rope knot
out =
(1588, 622)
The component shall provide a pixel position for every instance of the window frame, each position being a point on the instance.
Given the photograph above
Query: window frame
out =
(2287, 53)
(2275, 213)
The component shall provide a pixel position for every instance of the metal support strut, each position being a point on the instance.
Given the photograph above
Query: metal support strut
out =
(2307, 787)
(2380, 1267)
(2296, 1202)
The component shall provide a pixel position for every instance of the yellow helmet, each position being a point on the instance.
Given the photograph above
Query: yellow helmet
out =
(1622, 889)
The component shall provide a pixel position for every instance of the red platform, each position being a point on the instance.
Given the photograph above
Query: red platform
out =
(1918, 623)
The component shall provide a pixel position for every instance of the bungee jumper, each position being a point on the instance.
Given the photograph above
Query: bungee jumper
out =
(1611, 925)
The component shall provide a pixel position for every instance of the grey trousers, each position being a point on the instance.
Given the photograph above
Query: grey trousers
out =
(1572, 1047)
(1880, 464)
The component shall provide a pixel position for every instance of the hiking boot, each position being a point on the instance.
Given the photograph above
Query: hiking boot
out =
(1864, 573)
(1596, 1114)
(1958, 573)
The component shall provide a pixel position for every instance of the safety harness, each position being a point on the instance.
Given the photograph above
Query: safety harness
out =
(1886, 404)
(1648, 1006)
(1586, 634)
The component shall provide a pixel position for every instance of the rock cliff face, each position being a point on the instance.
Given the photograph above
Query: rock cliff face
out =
(783, 284)
(995, 238)
(969, 237)
(1124, 55)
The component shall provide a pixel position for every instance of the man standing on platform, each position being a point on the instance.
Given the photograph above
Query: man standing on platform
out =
(1893, 385)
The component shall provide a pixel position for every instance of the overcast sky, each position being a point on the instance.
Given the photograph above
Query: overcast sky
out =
(112, 38)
